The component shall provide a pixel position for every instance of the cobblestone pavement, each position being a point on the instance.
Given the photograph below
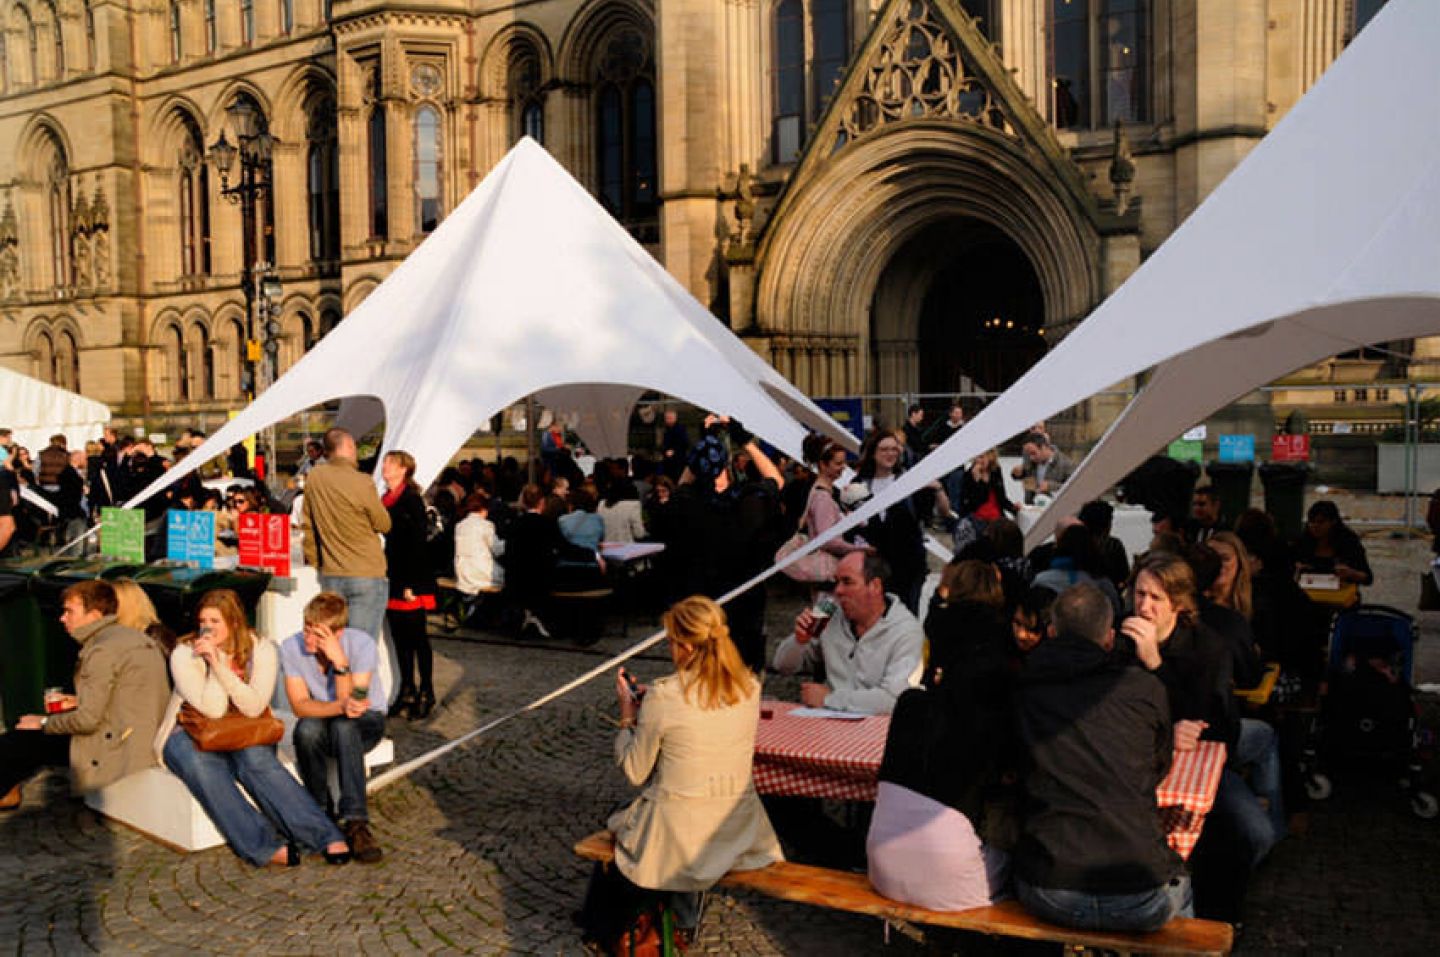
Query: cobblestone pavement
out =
(478, 845)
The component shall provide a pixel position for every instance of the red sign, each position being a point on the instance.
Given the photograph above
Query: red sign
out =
(265, 542)
(1290, 448)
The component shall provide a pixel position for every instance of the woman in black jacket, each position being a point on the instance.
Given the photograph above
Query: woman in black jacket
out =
(412, 584)
(896, 532)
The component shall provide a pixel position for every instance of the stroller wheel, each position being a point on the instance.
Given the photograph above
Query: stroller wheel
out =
(1318, 787)
(1424, 805)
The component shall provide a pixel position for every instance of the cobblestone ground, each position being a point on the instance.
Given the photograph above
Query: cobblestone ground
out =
(478, 844)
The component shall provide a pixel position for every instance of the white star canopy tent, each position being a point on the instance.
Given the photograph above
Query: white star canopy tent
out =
(1325, 238)
(528, 287)
(34, 411)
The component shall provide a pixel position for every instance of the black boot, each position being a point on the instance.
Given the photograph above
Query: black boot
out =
(424, 704)
(404, 706)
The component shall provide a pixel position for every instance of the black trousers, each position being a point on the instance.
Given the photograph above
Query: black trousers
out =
(412, 648)
(22, 753)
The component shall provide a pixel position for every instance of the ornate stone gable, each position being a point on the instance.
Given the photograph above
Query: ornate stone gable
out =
(925, 63)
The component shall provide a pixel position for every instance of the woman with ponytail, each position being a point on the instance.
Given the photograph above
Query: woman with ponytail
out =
(688, 739)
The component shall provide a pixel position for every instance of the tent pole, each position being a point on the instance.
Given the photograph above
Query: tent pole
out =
(530, 451)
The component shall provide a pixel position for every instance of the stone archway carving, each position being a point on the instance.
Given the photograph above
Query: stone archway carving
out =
(821, 261)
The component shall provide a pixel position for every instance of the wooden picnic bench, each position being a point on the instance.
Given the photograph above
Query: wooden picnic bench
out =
(845, 891)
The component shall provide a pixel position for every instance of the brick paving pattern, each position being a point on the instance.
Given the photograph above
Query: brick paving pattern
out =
(478, 844)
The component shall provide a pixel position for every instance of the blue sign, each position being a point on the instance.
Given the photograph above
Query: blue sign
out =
(1237, 448)
(190, 537)
(848, 412)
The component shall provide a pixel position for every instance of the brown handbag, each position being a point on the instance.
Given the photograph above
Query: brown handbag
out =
(231, 732)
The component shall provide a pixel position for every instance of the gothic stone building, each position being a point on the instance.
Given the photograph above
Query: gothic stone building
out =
(882, 196)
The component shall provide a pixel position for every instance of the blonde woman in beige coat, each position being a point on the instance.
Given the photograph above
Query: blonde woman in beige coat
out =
(689, 740)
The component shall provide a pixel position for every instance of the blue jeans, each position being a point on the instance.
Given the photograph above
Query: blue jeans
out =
(346, 740)
(1238, 802)
(1140, 912)
(284, 807)
(366, 598)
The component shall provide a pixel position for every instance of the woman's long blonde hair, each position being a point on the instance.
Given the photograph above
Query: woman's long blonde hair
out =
(713, 668)
(1239, 598)
(135, 609)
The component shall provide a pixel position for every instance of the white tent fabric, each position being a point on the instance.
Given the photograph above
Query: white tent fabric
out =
(34, 411)
(528, 287)
(1326, 237)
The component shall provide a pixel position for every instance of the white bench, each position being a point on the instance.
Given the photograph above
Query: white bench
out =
(157, 804)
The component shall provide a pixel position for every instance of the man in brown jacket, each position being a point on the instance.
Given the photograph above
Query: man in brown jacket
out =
(342, 520)
(120, 694)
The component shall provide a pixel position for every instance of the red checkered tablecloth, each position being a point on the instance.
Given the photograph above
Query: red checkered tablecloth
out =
(818, 757)
(1188, 792)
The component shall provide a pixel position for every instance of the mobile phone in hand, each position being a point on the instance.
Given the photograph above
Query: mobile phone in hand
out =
(631, 683)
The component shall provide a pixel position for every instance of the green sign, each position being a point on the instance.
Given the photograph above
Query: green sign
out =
(124, 533)
(1187, 450)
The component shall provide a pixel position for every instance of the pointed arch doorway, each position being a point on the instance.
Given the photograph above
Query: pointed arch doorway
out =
(958, 309)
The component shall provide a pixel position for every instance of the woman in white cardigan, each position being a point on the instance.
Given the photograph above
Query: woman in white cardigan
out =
(691, 745)
(621, 512)
(224, 666)
(477, 547)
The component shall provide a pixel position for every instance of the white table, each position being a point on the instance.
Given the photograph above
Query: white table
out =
(1131, 525)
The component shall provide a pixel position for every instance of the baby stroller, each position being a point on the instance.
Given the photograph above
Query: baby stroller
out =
(1368, 716)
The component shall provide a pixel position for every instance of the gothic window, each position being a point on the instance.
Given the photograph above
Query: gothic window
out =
(1099, 62)
(247, 22)
(176, 47)
(811, 47)
(527, 101)
(57, 191)
(194, 188)
(177, 386)
(265, 211)
(32, 34)
(57, 39)
(212, 34)
(4, 63)
(235, 348)
(89, 36)
(45, 358)
(323, 182)
(287, 15)
(379, 201)
(429, 169)
(67, 362)
(329, 319)
(199, 364)
(625, 131)
(1361, 13)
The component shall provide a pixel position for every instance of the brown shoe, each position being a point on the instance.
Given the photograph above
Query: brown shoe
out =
(362, 842)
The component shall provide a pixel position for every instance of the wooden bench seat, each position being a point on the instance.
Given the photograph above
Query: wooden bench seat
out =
(841, 890)
(454, 606)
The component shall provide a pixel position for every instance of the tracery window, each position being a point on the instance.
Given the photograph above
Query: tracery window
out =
(89, 36)
(625, 131)
(177, 49)
(177, 384)
(32, 34)
(212, 34)
(429, 168)
(323, 182)
(67, 362)
(44, 356)
(379, 201)
(57, 39)
(58, 203)
(247, 22)
(1099, 62)
(527, 100)
(811, 41)
(194, 195)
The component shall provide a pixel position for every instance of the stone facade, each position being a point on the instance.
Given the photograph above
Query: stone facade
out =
(882, 196)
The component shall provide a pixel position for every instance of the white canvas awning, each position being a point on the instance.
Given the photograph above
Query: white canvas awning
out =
(1325, 238)
(528, 287)
(34, 411)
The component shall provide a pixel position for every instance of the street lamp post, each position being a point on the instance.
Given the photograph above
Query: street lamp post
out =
(253, 147)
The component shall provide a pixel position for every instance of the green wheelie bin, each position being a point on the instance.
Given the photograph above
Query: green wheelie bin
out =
(1285, 495)
(1231, 481)
(23, 640)
(175, 591)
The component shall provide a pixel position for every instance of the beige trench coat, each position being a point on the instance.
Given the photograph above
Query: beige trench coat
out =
(699, 815)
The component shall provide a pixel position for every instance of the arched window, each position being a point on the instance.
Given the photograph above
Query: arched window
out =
(212, 34)
(265, 210)
(323, 181)
(429, 169)
(287, 15)
(194, 195)
(1099, 62)
(199, 364)
(89, 36)
(236, 386)
(45, 358)
(67, 362)
(177, 385)
(830, 39)
(57, 39)
(789, 79)
(177, 49)
(32, 36)
(247, 22)
(329, 319)
(625, 132)
(379, 199)
(58, 206)
(527, 100)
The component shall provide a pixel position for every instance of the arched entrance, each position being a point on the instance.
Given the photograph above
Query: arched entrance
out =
(963, 302)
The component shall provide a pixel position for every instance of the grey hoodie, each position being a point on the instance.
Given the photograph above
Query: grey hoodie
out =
(865, 674)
